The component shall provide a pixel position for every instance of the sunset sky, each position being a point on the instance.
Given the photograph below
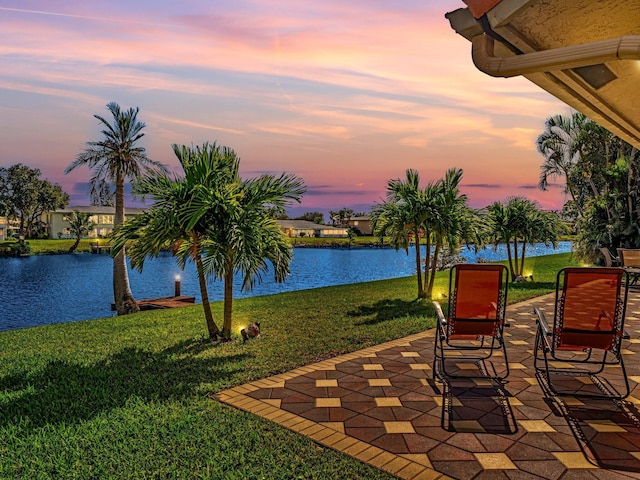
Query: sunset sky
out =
(346, 95)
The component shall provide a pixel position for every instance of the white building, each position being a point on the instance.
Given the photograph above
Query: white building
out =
(102, 217)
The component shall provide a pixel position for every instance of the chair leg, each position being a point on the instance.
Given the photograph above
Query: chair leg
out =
(537, 347)
(626, 379)
(614, 393)
(438, 353)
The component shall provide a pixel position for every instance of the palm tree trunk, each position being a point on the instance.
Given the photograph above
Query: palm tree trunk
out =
(421, 293)
(510, 257)
(524, 246)
(214, 331)
(434, 267)
(514, 271)
(75, 245)
(122, 295)
(571, 189)
(427, 260)
(228, 299)
(631, 181)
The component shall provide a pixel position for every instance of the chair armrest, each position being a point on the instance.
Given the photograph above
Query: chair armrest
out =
(439, 315)
(543, 325)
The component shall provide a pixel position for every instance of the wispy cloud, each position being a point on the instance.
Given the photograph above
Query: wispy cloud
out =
(482, 185)
(81, 17)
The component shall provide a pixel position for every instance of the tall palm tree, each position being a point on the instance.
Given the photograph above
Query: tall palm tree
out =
(79, 226)
(115, 159)
(215, 219)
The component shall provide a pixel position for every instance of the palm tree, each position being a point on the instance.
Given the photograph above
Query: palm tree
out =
(519, 222)
(79, 225)
(245, 237)
(407, 212)
(114, 159)
(213, 218)
(451, 223)
(169, 222)
(562, 146)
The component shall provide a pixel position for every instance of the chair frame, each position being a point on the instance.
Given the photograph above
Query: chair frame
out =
(470, 346)
(586, 360)
(610, 260)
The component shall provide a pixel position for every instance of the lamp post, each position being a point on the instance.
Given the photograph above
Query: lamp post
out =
(177, 286)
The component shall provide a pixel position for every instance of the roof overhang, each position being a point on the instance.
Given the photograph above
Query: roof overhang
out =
(585, 53)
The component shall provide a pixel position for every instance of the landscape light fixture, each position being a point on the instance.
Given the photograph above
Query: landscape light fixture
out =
(177, 286)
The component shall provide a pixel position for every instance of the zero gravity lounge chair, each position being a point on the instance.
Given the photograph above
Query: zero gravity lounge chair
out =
(587, 333)
(471, 335)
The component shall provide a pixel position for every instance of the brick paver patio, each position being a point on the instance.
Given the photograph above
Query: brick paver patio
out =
(382, 406)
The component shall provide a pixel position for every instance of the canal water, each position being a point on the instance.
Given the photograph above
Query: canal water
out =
(40, 290)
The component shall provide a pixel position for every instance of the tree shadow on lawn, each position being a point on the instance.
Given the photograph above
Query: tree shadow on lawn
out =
(390, 309)
(64, 392)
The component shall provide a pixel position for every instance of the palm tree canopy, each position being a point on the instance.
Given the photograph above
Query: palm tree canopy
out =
(210, 203)
(117, 155)
(79, 223)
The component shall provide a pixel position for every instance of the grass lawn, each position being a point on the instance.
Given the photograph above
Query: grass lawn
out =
(55, 246)
(130, 397)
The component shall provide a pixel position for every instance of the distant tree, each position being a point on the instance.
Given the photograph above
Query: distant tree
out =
(25, 197)
(351, 235)
(102, 195)
(519, 222)
(79, 226)
(114, 159)
(341, 217)
(405, 214)
(315, 217)
(436, 213)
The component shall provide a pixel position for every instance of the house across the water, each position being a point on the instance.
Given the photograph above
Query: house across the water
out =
(361, 224)
(57, 223)
(304, 228)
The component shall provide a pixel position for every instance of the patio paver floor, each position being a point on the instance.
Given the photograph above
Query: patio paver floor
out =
(381, 406)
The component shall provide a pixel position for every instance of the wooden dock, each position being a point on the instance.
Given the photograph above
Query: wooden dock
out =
(97, 248)
(164, 302)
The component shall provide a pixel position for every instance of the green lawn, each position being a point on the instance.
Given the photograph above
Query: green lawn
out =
(55, 246)
(130, 397)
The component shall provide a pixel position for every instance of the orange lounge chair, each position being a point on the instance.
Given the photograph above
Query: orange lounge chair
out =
(630, 261)
(473, 329)
(587, 333)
